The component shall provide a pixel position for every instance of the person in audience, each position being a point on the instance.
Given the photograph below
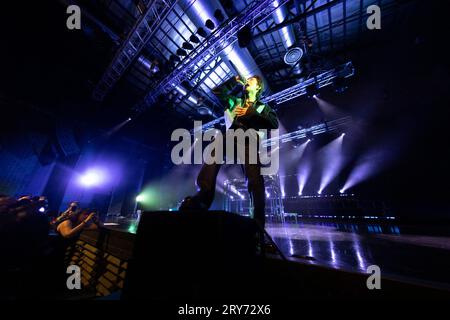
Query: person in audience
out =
(77, 222)
(70, 211)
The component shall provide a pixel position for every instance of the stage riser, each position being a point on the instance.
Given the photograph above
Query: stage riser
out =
(174, 259)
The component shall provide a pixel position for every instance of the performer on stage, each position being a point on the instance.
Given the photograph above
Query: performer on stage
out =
(243, 110)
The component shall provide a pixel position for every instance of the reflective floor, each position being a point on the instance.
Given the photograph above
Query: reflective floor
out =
(419, 254)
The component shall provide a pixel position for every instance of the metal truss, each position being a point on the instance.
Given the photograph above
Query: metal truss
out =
(211, 124)
(200, 77)
(322, 80)
(326, 126)
(208, 50)
(140, 34)
(235, 201)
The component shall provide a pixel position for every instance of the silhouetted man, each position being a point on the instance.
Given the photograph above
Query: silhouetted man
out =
(243, 110)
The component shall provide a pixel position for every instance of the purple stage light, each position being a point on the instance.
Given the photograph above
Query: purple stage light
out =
(329, 109)
(332, 161)
(303, 173)
(92, 178)
(300, 150)
(367, 166)
(361, 172)
(282, 177)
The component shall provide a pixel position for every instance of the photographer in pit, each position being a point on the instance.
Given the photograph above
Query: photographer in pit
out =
(71, 210)
(76, 220)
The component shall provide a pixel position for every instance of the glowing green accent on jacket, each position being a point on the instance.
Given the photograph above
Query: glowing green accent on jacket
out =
(233, 102)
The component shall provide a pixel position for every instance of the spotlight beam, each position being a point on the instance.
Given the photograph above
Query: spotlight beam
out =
(302, 176)
(332, 162)
(328, 109)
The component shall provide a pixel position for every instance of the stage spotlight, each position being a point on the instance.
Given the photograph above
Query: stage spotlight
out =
(202, 33)
(149, 197)
(300, 193)
(129, 119)
(341, 191)
(181, 52)
(209, 24)
(293, 56)
(219, 15)
(244, 36)
(92, 178)
(319, 192)
(193, 38)
(41, 209)
(312, 91)
(204, 111)
(187, 46)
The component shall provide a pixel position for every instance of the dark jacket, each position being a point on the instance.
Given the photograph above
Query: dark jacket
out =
(258, 116)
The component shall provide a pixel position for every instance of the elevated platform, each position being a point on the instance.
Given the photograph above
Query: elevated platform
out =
(105, 258)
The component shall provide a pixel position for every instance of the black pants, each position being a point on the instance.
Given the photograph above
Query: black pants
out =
(206, 182)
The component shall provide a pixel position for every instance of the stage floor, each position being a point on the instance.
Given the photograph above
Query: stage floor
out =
(417, 254)
(411, 253)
